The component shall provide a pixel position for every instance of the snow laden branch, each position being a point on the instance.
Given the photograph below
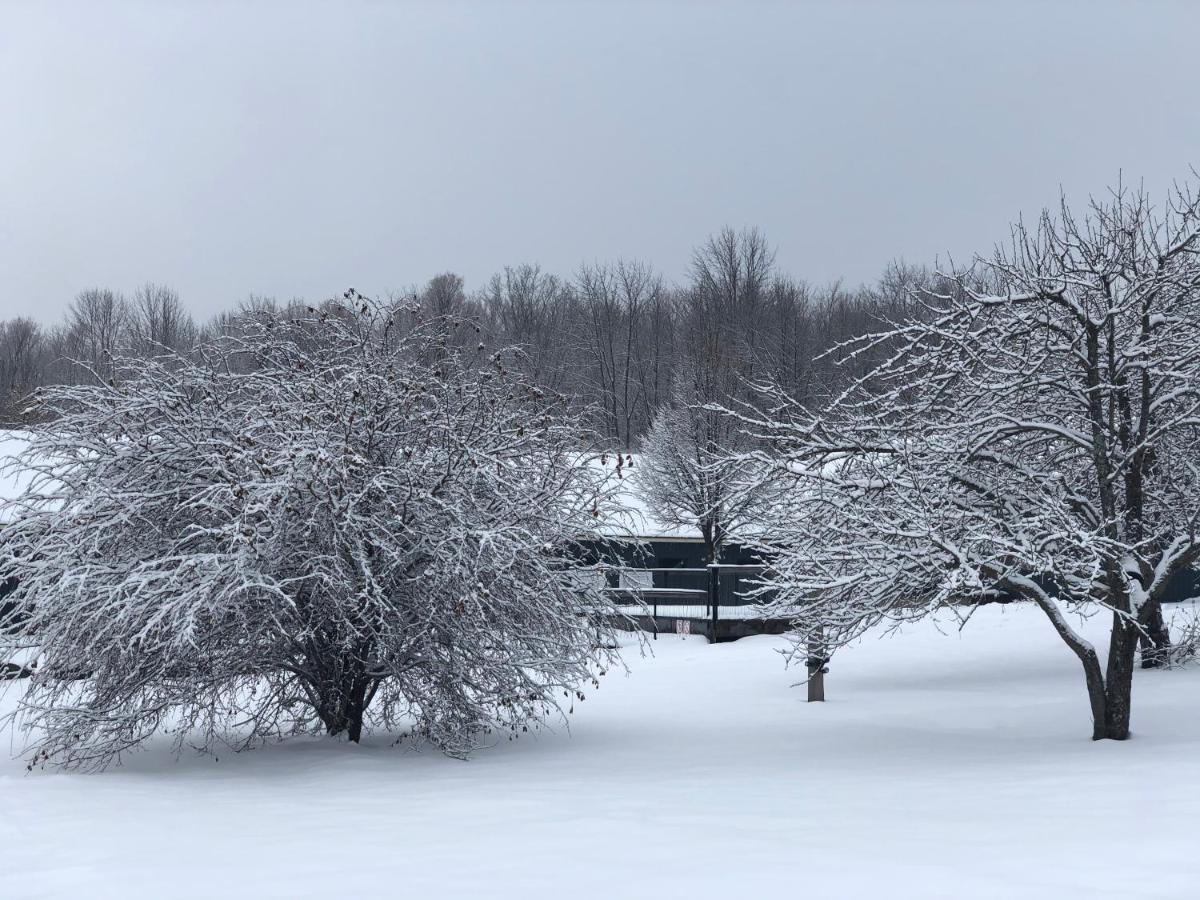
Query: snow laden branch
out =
(1039, 441)
(325, 523)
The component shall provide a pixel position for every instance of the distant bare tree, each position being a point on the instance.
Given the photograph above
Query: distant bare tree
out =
(731, 274)
(444, 295)
(97, 324)
(610, 340)
(531, 308)
(790, 336)
(22, 364)
(158, 320)
(657, 352)
(617, 302)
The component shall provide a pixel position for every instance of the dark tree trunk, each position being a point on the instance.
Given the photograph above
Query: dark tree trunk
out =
(712, 532)
(343, 703)
(1109, 694)
(816, 666)
(1157, 640)
(1118, 681)
(1097, 697)
(709, 537)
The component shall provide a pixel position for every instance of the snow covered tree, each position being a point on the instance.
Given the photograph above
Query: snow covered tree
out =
(690, 474)
(1040, 442)
(316, 523)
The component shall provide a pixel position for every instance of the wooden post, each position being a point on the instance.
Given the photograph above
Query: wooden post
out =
(816, 667)
(714, 598)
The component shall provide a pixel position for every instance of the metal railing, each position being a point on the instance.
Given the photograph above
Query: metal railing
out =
(711, 593)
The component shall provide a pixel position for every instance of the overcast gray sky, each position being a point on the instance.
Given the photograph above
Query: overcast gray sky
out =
(295, 150)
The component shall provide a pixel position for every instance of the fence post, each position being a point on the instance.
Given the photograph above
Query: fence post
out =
(714, 599)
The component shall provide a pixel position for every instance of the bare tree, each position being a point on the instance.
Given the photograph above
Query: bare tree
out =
(22, 365)
(731, 275)
(97, 325)
(158, 321)
(444, 296)
(618, 302)
(1041, 442)
(531, 308)
(657, 351)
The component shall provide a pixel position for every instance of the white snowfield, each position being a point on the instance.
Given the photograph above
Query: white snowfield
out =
(944, 765)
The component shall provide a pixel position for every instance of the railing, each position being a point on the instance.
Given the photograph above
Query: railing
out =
(712, 593)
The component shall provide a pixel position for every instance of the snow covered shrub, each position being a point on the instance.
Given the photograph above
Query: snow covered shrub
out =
(330, 522)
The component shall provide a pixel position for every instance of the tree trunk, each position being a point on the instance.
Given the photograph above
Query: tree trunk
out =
(1157, 640)
(1108, 694)
(344, 704)
(1097, 698)
(1118, 681)
(816, 666)
(709, 538)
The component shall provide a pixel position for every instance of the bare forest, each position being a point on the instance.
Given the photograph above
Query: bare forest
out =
(616, 339)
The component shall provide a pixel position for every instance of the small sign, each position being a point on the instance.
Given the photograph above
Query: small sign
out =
(683, 626)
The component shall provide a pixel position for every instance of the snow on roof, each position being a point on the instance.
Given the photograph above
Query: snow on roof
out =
(629, 514)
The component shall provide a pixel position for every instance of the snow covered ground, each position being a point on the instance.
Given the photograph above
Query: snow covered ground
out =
(944, 765)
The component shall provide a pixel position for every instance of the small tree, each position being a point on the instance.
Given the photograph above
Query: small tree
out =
(1040, 442)
(318, 524)
(689, 471)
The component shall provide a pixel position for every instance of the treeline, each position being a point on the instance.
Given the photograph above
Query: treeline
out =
(98, 323)
(615, 338)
